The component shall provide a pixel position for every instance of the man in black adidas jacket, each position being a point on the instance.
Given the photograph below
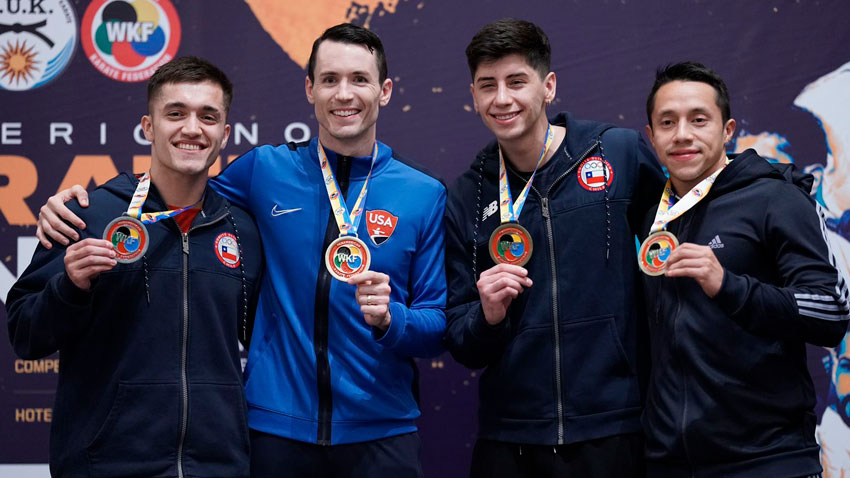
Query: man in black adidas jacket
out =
(750, 284)
(559, 336)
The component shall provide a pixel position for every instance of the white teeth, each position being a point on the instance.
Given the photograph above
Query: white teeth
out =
(505, 117)
(189, 147)
(345, 113)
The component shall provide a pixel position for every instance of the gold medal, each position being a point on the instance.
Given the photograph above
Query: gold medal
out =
(347, 256)
(511, 243)
(654, 252)
(129, 238)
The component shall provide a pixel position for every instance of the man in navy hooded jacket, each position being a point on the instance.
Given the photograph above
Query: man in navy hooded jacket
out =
(751, 282)
(559, 336)
(150, 379)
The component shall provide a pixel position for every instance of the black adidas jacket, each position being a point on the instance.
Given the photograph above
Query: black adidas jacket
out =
(730, 393)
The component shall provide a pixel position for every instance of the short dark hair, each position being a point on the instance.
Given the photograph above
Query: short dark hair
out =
(690, 71)
(353, 35)
(510, 36)
(190, 69)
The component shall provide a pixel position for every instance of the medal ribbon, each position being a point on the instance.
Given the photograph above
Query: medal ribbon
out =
(667, 211)
(139, 197)
(346, 222)
(509, 210)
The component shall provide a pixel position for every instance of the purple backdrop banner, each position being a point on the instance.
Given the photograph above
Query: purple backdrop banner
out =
(72, 91)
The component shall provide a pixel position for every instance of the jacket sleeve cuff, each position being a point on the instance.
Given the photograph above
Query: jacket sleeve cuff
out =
(482, 330)
(71, 294)
(733, 293)
(396, 329)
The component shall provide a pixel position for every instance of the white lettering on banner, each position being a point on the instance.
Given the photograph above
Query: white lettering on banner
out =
(139, 136)
(239, 131)
(26, 248)
(129, 31)
(305, 132)
(10, 133)
(61, 130)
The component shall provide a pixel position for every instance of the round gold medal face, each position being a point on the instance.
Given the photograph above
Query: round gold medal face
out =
(510, 243)
(129, 238)
(347, 256)
(654, 252)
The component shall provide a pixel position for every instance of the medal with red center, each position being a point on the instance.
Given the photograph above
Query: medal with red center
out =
(511, 243)
(127, 233)
(347, 255)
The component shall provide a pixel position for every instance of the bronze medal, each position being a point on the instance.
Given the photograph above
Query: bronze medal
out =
(347, 256)
(654, 252)
(510, 243)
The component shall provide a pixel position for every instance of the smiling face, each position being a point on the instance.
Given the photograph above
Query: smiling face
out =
(186, 127)
(347, 94)
(688, 132)
(511, 98)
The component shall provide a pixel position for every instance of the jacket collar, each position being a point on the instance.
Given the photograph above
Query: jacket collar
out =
(359, 164)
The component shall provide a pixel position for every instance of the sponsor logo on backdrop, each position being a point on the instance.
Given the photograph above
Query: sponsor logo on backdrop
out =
(128, 40)
(37, 41)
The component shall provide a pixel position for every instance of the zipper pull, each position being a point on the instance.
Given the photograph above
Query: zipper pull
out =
(185, 243)
(545, 207)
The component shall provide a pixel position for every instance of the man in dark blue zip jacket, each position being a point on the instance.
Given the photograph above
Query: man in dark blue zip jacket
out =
(751, 282)
(150, 379)
(559, 335)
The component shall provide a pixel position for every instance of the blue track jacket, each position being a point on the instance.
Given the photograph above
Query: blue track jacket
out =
(316, 371)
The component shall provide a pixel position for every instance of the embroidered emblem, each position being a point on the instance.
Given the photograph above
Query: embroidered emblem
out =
(380, 225)
(227, 250)
(591, 173)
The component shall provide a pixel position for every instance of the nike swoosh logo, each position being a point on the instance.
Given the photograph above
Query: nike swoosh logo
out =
(279, 212)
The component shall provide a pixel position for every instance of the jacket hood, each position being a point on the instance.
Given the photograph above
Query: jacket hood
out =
(581, 136)
(748, 166)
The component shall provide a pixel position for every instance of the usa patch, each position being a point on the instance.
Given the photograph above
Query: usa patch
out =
(591, 173)
(380, 225)
(227, 250)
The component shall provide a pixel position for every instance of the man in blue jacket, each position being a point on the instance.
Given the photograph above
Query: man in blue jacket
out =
(742, 279)
(146, 319)
(544, 292)
(330, 377)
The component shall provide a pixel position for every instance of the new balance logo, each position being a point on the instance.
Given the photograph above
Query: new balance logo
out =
(489, 210)
(715, 243)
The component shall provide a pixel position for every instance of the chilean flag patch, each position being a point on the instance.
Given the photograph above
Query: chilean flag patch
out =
(227, 250)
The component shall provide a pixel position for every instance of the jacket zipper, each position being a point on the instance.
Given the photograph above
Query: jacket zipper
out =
(183, 382)
(544, 207)
(680, 230)
(321, 316)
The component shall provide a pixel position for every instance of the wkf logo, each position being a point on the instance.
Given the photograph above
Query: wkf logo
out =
(380, 225)
(128, 41)
(37, 41)
(227, 250)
